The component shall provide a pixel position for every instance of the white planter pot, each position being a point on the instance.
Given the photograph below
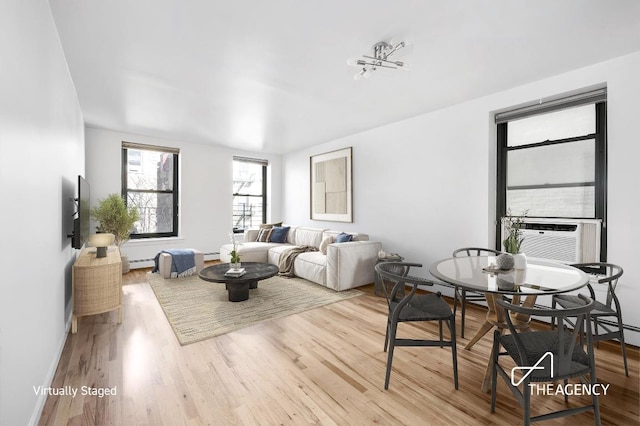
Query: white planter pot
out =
(519, 261)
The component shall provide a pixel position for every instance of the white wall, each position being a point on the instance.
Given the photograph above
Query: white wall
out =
(41, 155)
(205, 180)
(426, 185)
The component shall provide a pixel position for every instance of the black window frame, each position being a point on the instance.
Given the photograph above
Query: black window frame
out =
(264, 164)
(126, 146)
(600, 183)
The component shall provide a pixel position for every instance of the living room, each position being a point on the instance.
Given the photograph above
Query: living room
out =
(423, 184)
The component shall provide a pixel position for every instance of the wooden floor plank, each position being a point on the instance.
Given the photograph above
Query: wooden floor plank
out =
(323, 366)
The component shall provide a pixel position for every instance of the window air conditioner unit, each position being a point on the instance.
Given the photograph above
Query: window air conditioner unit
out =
(562, 240)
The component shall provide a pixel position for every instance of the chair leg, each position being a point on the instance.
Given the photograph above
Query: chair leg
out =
(622, 344)
(494, 374)
(553, 306)
(454, 352)
(440, 330)
(386, 335)
(463, 311)
(392, 343)
(526, 403)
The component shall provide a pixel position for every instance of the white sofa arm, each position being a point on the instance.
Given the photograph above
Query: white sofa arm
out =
(351, 264)
(250, 235)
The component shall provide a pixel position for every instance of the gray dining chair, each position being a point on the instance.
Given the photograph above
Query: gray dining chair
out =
(546, 356)
(606, 274)
(411, 307)
(466, 295)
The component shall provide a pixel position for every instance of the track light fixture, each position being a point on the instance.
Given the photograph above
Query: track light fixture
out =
(382, 52)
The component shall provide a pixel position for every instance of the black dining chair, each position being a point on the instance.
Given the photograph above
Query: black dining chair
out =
(547, 356)
(412, 306)
(466, 295)
(606, 274)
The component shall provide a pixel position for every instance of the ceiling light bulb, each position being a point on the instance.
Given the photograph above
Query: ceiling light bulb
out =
(352, 62)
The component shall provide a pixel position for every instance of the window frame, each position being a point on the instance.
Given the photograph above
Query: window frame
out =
(600, 164)
(126, 146)
(264, 164)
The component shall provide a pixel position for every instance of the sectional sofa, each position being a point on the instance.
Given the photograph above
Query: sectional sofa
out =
(336, 265)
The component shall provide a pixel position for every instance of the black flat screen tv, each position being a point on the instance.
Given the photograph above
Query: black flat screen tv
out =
(81, 223)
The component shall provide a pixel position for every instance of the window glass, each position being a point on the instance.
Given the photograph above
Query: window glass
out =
(575, 202)
(563, 124)
(149, 183)
(249, 194)
(566, 163)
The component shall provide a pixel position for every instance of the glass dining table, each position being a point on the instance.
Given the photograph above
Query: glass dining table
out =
(479, 273)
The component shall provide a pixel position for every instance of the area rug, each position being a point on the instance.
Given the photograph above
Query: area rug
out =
(198, 310)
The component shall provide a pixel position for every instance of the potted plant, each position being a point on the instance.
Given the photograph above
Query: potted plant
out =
(512, 243)
(117, 219)
(235, 257)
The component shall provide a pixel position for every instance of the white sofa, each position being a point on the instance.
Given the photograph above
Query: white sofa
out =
(344, 266)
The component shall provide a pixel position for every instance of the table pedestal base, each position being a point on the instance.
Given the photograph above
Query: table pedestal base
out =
(239, 292)
(496, 319)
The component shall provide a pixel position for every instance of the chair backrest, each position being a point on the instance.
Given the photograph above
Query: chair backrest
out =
(397, 273)
(474, 251)
(570, 326)
(606, 273)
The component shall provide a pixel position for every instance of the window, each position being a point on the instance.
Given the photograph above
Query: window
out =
(552, 160)
(249, 193)
(150, 183)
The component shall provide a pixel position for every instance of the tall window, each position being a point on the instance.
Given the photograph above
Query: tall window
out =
(552, 159)
(150, 183)
(249, 193)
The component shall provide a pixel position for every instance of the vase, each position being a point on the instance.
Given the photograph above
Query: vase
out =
(519, 261)
(236, 265)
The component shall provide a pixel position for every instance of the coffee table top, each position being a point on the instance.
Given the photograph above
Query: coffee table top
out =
(255, 271)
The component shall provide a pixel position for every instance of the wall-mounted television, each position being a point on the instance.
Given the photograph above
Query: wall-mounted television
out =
(81, 223)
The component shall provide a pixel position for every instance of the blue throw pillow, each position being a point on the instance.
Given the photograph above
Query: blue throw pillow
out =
(279, 234)
(343, 238)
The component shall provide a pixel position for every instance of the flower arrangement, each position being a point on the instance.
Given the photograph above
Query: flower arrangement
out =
(513, 227)
(235, 257)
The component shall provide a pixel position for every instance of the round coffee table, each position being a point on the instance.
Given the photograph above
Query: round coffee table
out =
(238, 287)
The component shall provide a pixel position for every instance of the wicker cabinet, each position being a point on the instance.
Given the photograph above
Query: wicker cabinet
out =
(97, 284)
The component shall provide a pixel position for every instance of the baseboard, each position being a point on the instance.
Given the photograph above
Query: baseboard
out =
(42, 399)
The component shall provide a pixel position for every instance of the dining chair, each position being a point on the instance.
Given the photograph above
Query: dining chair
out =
(462, 293)
(606, 274)
(411, 307)
(547, 356)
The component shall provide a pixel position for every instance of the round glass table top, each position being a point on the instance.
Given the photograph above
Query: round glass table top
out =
(478, 273)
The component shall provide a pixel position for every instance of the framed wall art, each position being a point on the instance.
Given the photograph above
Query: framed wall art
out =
(331, 193)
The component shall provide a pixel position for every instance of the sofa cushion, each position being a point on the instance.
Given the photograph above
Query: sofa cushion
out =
(248, 252)
(311, 266)
(279, 234)
(275, 252)
(308, 237)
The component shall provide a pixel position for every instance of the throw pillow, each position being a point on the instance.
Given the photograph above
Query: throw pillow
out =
(279, 234)
(324, 244)
(264, 234)
(344, 238)
(270, 225)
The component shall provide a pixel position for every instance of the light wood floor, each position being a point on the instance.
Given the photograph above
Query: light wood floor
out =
(324, 366)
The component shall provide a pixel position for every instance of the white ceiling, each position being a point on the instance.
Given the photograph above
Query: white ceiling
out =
(272, 75)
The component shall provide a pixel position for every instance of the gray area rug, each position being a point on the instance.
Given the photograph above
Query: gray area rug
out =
(198, 310)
